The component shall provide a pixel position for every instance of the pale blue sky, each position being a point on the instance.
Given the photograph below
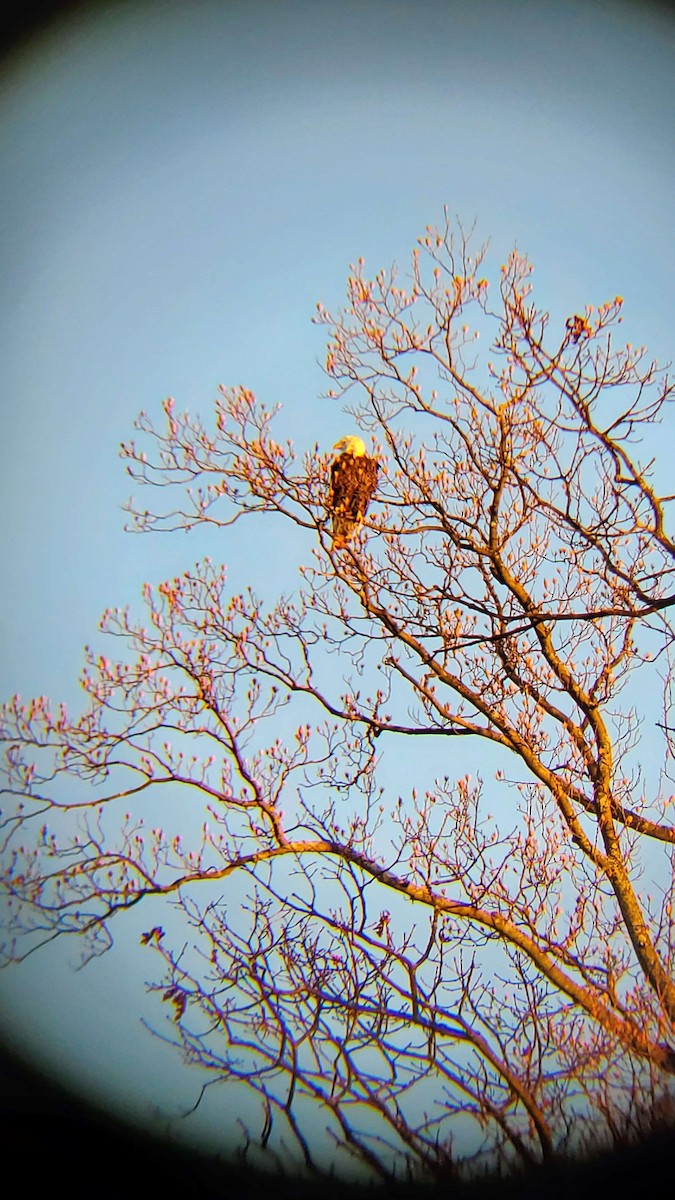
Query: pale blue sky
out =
(180, 185)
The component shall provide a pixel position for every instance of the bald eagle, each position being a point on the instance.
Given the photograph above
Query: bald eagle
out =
(353, 479)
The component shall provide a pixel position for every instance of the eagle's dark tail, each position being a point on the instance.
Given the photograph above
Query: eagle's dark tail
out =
(344, 528)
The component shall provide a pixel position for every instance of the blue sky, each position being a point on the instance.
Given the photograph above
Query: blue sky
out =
(180, 185)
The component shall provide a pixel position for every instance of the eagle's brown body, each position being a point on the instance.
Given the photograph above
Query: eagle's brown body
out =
(353, 479)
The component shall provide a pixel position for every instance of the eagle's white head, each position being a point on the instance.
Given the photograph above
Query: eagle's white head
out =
(351, 445)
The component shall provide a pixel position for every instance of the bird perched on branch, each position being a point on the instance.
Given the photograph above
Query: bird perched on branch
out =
(353, 479)
(578, 327)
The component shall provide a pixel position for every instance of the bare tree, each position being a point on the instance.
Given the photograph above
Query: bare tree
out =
(408, 972)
